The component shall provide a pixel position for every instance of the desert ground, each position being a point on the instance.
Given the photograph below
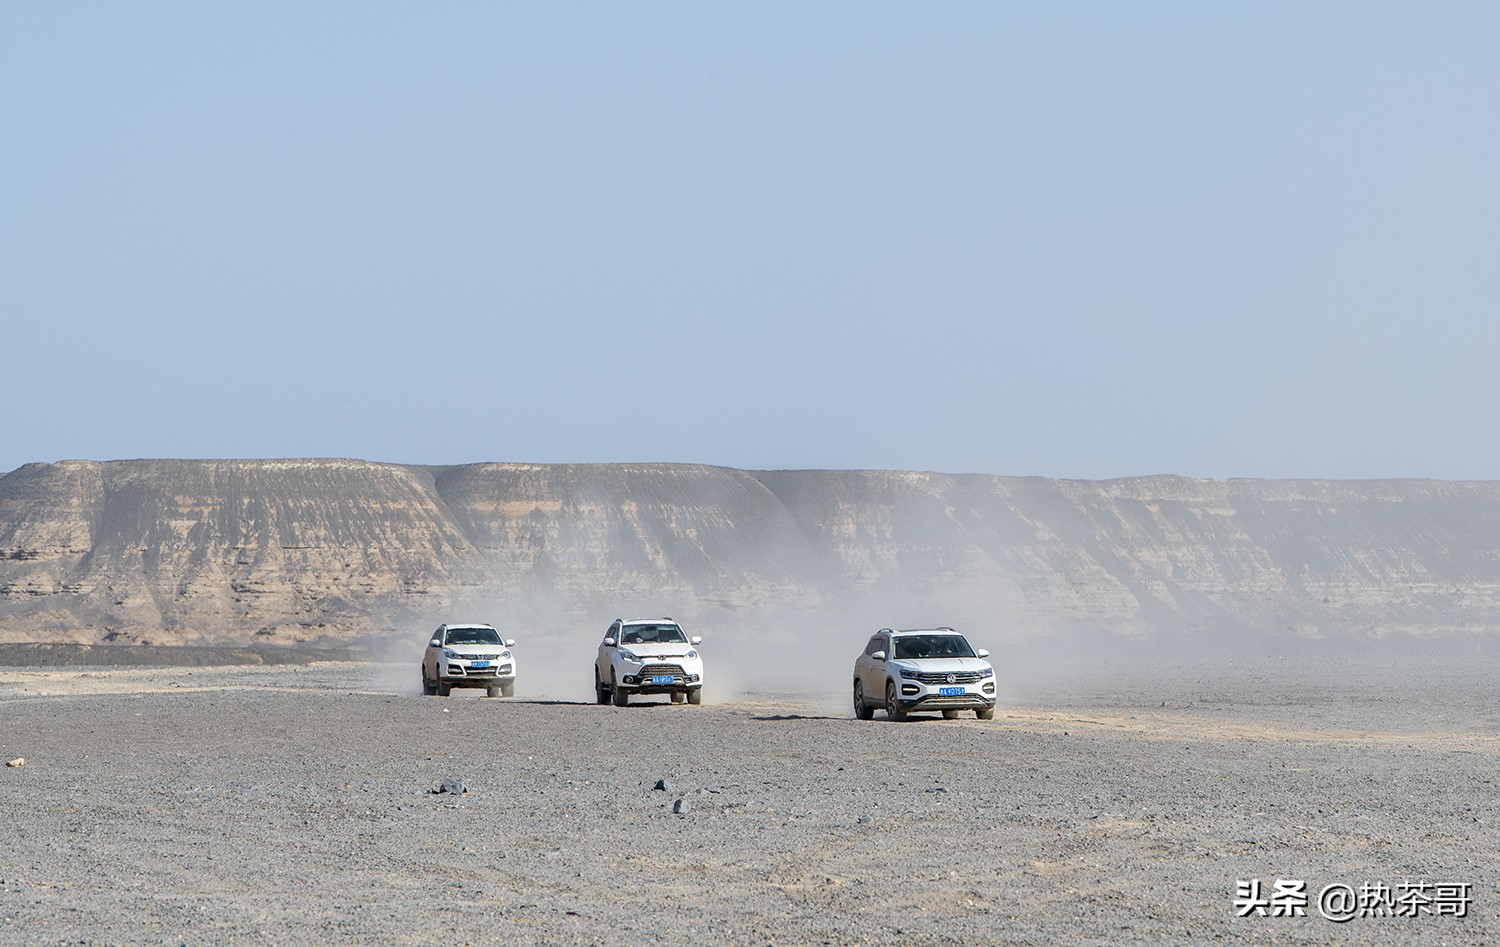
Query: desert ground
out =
(1109, 802)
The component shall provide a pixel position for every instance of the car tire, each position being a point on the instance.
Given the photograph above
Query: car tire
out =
(429, 687)
(601, 693)
(986, 713)
(862, 710)
(950, 715)
(444, 689)
(621, 698)
(893, 708)
(695, 696)
(492, 690)
(507, 688)
(678, 697)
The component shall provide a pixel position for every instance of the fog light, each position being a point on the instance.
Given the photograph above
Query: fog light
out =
(989, 688)
(908, 689)
(629, 679)
(692, 678)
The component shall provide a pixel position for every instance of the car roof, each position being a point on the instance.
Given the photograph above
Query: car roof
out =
(647, 621)
(465, 625)
(922, 631)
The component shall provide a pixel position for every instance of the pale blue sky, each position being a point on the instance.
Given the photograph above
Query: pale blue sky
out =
(1079, 240)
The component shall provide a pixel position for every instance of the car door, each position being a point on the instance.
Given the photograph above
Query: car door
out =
(429, 656)
(874, 669)
(606, 656)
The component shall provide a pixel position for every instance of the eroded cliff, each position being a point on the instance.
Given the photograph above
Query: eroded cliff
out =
(235, 551)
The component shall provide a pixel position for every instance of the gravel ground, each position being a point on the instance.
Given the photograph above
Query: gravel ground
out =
(272, 804)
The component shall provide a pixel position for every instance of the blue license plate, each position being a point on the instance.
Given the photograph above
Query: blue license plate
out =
(662, 678)
(950, 692)
(479, 664)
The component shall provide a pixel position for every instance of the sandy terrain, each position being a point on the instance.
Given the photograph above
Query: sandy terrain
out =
(1117, 804)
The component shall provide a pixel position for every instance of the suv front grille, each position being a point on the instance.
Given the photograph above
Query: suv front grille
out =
(650, 670)
(941, 677)
(455, 670)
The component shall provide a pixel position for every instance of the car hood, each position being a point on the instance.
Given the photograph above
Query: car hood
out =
(670, 649)
(943, 665)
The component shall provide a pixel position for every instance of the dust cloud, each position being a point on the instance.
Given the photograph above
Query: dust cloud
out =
(785, 576)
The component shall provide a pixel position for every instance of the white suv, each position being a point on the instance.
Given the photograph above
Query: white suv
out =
(648, 656)
(923, 669)
(469, 656)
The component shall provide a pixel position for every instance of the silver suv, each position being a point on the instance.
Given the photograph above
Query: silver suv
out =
(469, 656)
(923, 669)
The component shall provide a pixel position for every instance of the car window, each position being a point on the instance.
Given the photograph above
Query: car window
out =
(916, 647)
(876, 644)
(472, 636)
(653, 634)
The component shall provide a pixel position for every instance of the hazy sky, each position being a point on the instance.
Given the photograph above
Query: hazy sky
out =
(1079, 240)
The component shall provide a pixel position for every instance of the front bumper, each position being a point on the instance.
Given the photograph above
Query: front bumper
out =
(918, 695)
(458, 672)
(659, 678)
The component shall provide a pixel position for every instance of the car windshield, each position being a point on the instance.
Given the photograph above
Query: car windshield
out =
(932, 646)
(472, 636)
(652, 634)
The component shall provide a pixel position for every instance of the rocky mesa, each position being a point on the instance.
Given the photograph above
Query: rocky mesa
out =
(287, 551)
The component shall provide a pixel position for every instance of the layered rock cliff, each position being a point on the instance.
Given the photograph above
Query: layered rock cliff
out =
(237, 551)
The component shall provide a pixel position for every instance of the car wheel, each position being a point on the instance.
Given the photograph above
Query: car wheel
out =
(429, 687)
(695, 696)
(444, 689)
(862, 710)
(492, 690)
(620, 697)
(601, 693)
(893, 707)
(678, 697)
(507, 688)
(950, 715)
(987, 713)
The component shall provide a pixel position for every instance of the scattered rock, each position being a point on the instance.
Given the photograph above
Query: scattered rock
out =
(450, 787)
(17, 762)
(664, 786)
(681, 806)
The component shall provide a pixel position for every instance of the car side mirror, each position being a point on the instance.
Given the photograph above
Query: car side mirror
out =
(983, 652)
(433, 643)
(696, 639)
(878, 655)
(510, 642)
(609, 642)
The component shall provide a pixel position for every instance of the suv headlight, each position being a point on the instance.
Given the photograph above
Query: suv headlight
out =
(910, 672)
(450, 653)
(692, 655)
(504, 655)
(987, 672)
(628, 655)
